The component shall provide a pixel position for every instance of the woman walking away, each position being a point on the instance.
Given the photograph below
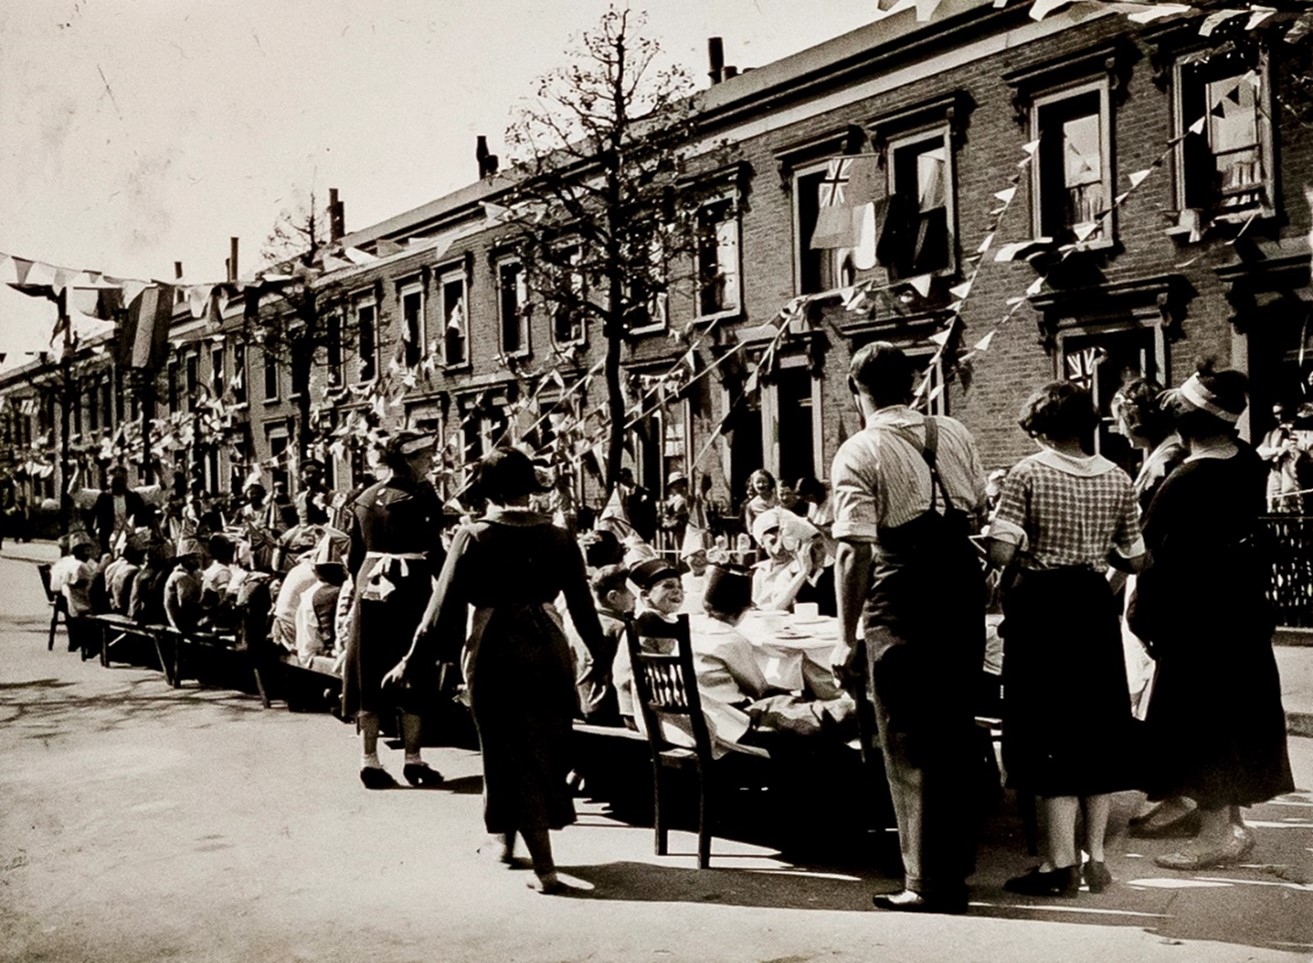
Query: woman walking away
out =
(1216, 725)
(510, 566)
(1063, 517)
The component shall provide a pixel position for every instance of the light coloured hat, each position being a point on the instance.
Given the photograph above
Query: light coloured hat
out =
(332, 548)
(765, 522)
(187, 545)
(675, 476)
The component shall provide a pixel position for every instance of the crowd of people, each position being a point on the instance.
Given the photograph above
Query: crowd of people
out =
(1136, 644)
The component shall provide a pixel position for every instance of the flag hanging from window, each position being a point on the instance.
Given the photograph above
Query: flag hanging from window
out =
(845, 193)
(1081, 366)
(144, 340)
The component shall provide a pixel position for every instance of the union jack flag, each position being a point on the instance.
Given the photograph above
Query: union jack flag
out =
(837, 173)
(1081, 366)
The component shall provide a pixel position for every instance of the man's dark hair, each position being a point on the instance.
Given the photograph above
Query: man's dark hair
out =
(882, 372)
(221, 549)
(608, 579)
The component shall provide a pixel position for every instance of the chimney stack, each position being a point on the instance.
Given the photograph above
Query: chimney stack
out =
(716, 56)
(336, 216)
(232, 259)
(488, 163)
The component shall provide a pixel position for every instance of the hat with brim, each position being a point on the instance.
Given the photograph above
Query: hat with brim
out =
(647, 574)
(405, 444)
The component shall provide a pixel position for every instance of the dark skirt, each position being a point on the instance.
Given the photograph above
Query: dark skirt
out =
(1067, 723)
(1217, 731)
(381, 633)
(523, 697)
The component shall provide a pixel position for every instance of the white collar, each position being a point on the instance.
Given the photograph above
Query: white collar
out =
(1082, 466)
(1218, 450)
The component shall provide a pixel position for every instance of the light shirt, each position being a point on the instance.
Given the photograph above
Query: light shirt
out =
(880, 480)
(73, 579)
(295, 585)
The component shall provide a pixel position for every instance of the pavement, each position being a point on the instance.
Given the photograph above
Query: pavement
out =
(139, 822)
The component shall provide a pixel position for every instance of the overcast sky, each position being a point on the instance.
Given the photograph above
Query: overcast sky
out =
(136, 133)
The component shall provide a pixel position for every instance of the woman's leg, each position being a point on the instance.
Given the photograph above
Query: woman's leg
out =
(539, 844)
(1097, 810)
(1059, 815)
(368, 723)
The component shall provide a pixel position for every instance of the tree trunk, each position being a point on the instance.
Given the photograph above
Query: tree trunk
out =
(615, 406)
(301, 359)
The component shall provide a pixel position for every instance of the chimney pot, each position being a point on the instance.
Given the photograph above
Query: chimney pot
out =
(728, 72)
(716, 58)
(336, 216)
(232, 259)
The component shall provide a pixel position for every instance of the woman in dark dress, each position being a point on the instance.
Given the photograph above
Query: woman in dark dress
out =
(1215, 719)
(396, 549)
(510, 566)
(1063, 518)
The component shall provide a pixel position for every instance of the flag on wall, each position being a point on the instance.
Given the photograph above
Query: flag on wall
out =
(144, 341)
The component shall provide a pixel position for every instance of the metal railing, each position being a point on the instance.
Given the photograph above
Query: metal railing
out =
(1290, 589)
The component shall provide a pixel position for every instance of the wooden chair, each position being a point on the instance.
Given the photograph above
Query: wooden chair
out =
(57, 602)
(665, 686)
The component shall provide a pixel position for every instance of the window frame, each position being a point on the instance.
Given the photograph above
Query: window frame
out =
(1045, 99)
(218, 370)
(1215, 213)
(801, 245)
(1107, 233)
(943, 130)
(269, 362)
(734, 218)
(367, 299)
(241, 394)
(407, 288)
(523, 307)
(451, 275)
(576, 256)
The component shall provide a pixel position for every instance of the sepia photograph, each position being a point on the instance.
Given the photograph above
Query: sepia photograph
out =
(760, 481)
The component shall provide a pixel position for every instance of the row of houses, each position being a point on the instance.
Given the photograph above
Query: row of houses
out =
(1088, 196)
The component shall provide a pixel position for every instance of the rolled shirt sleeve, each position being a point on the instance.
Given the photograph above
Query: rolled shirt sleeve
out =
(854, 502)
(1013, 512)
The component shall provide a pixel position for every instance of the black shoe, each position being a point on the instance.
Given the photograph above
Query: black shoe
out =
(1064, 882)
(421, 775)
(375, 778)
(1097, 877)
(910, 901)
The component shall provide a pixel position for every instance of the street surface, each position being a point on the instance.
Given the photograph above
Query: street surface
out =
(138, 822)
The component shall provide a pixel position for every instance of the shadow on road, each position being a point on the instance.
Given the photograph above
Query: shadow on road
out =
(50, 705)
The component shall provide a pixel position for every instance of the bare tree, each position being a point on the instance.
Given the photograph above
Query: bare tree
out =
(601, 205)
(301, 330)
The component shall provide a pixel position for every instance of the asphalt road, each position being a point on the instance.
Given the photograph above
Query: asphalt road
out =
(138, 822)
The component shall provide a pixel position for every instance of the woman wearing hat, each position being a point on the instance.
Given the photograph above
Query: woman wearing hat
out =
(510, 566)
(396, 550)
(1215, 719)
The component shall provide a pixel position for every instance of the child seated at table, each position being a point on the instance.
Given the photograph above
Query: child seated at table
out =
(598, 703)
(316, 637)
(660, 597)
(736, 695)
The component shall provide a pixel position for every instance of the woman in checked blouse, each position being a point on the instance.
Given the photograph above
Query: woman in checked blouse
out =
(1063, 518)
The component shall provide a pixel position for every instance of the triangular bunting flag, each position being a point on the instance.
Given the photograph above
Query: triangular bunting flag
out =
(983, 344)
